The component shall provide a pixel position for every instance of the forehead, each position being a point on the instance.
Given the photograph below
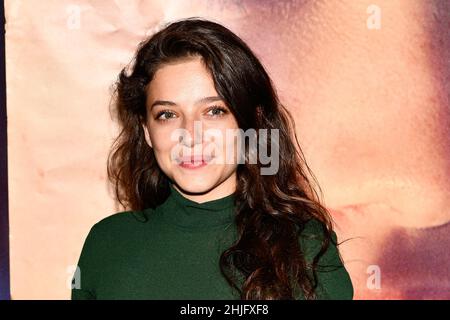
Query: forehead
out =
(183, 80)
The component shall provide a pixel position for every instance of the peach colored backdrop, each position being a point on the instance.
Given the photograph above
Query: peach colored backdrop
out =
(367, 81)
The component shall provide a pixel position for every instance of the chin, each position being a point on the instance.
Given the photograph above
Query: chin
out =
(193, 186)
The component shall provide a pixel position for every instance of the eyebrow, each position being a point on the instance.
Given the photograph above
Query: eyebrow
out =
(171, 103)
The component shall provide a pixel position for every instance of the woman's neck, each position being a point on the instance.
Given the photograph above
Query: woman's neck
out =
(221, 190)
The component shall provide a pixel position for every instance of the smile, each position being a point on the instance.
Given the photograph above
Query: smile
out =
(194, 162)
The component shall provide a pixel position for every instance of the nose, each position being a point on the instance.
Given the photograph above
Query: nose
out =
(192, 133)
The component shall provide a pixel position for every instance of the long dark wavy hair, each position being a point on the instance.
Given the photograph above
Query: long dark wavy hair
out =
(271, 210)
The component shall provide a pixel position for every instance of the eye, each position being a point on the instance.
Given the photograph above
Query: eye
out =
(217, 111)
(165, 115)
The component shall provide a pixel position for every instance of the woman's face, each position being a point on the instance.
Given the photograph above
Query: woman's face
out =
(186, 126)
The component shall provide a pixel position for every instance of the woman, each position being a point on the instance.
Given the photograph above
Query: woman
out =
(207, 219)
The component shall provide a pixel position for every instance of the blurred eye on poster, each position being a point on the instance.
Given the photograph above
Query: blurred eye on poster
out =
(367, 83)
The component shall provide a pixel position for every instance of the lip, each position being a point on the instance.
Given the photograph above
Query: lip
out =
(194, 162)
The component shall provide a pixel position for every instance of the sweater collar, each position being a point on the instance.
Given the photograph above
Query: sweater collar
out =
(189, 214)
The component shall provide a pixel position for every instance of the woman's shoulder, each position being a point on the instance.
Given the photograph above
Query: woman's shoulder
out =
(120, 223)
(334, 280)
(120, 218)
(313, 232)
(114, 232)
(314, 227)
(108, 237)
(311, 240)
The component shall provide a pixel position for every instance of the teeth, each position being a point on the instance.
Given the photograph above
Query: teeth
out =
(195, 160)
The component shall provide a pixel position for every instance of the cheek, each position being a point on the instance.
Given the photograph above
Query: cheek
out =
(218, 134)
(228, 147)
(160, 136)
(163, 144)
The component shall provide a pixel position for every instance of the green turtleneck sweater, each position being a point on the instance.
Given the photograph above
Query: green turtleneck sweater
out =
(172, 252)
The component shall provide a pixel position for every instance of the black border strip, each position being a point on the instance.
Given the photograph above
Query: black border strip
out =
(4, 220)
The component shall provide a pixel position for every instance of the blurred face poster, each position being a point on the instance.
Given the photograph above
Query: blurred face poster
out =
(368, 83)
